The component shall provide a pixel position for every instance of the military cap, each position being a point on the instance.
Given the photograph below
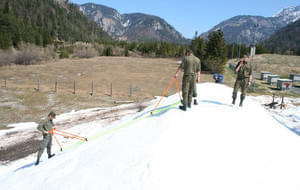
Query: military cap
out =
(52, 114)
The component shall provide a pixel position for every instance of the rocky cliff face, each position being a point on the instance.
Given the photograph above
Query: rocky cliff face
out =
(132, 27)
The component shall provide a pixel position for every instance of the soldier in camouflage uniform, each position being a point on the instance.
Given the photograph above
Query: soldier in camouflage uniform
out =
(244, 78)
(45, 126)
(190, 65)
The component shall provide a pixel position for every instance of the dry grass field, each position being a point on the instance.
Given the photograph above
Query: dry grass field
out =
(20, 102)
(148, 77)
(142, 74)
(281, 65)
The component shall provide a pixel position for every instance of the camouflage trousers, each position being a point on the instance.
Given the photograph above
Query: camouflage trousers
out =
(188, 84)
(195, 90)
(47, 142)
(243, 84)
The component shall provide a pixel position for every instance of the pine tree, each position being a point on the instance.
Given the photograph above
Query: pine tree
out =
(108, 51)
(198, 47)
(260, 49)
(126, 51)
(5, 41)
(216, 46)
(216, 52)
(6, 8)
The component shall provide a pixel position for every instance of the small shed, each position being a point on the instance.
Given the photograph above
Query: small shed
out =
(264, 75)
(284, 84)
(295, 77)
(272, 79)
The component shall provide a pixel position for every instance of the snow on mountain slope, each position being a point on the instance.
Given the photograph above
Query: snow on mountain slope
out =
(212, 146)
(289, 14)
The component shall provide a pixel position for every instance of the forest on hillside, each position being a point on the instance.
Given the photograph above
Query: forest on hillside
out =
(44, 22)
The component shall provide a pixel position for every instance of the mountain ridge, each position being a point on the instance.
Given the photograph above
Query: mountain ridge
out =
(286, 39)
(138, 27)
(249, 29)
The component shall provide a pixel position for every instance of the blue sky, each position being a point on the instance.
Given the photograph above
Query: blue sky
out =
(196, 15)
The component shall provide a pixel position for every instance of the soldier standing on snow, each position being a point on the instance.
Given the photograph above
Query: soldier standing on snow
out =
(244, 78)
(190, 65)
(45, 126)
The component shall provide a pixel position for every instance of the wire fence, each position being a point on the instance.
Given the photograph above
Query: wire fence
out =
(68, 86)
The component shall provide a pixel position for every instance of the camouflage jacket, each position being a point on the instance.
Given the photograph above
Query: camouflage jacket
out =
(190, 65)
(45, 125)
(245, 70)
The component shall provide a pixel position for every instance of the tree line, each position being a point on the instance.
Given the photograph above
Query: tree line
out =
(43, 22)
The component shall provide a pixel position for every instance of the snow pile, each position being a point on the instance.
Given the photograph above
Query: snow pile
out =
(212, 146)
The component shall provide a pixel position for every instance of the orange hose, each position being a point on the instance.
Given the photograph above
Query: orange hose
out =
(70, 134)
(178, 89)
(66, 134)
(163, 95)
(57, 142)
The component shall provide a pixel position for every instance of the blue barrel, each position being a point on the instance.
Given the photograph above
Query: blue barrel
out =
(220, 79)
(215, 76)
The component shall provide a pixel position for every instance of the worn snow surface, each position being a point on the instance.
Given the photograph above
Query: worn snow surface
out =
(212, 146)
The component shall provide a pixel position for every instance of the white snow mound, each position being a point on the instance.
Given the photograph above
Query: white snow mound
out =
(212, 146)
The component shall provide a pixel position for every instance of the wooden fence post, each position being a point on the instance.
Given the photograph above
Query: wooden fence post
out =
(5, 82)
(38, 85)
(92, 88)
(56, 85)
(130, 90)
(111, 89)
(74, 87)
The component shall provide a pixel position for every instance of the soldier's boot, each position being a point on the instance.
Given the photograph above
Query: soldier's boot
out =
(241, 104)
(50, 155)
(195, 102)
(233, 100)
(189, 105)
(242, 100)
(38, 157)
(182, 107)
(37, 162)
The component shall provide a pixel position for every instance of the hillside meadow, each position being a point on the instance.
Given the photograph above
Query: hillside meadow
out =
(104, 81)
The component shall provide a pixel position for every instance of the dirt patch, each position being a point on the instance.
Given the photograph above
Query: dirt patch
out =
(19, 150)
(111, 115)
